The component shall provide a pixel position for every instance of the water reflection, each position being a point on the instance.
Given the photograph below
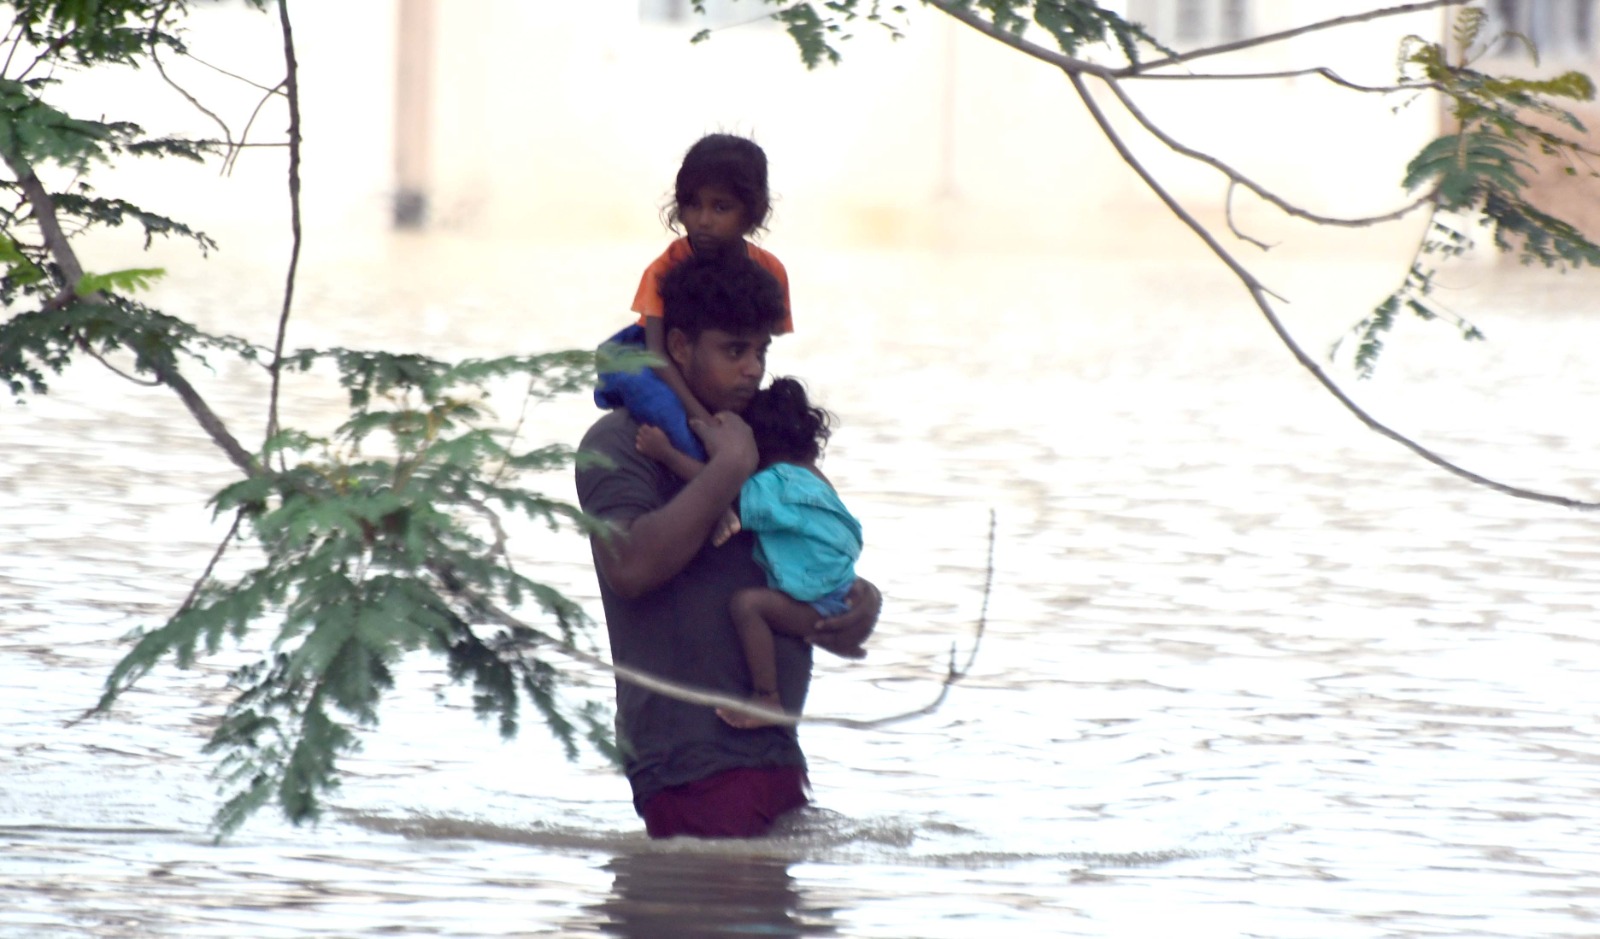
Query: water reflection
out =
(667, 894)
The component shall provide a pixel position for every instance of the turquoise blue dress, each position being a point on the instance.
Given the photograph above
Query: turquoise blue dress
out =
(806, 540)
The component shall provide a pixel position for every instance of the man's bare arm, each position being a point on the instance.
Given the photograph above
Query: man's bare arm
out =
(653, 443)
(659, 544)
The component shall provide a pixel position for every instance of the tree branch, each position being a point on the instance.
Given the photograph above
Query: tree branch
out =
(1258, 295)
(48, 220)
(958, 10)
(208, 419)
(291, 86)
(194, 102)
(1268, 39)
(1321, 71)
(1283, 205)
(523, 635)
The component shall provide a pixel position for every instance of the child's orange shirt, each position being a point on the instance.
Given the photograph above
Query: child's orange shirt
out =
(647, 302)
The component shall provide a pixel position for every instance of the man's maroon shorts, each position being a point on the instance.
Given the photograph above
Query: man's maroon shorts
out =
(736, 803)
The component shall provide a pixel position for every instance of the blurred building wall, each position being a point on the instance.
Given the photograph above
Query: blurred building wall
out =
(556, 120)
(571, 120)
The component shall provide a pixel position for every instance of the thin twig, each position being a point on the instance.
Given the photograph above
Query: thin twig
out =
(194, 102)
(61, 251)
(237, 145)
(234, 75)
(958, 10)
(516, 430)
(291, 86)
(523, 635)
(1269, 38)
(188, 601)
(147, 382)
(1227, 204)
(500, 540)
(1282, 204)
(953, 674)
(1321, 71)
(15, 44)
(229, 163)
(47, 53)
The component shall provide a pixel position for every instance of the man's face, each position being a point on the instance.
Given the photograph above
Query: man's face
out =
(714, 219)
(722, 369)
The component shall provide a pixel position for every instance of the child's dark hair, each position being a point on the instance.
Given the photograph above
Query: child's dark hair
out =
(788, 428)
(733, 294)
(737, 163)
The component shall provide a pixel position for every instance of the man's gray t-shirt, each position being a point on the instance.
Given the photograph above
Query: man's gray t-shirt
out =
(682, 631)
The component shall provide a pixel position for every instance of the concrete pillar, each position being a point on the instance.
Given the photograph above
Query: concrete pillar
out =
(413, 119)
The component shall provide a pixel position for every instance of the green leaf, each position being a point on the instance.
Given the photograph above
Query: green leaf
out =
(20, 269)
(1463, 165)
(124, 281)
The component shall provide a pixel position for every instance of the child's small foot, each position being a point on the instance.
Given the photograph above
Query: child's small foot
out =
(727, 528)
(743, 721)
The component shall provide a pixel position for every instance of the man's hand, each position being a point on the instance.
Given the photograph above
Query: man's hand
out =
(844, 634)
(727, 436)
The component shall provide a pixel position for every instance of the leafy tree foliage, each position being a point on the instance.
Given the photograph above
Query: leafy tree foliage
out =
(382, 538)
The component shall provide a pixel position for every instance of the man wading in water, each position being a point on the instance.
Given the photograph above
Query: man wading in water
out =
(666, 588)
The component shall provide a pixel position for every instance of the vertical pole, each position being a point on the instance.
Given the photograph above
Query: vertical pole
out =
(413, 118)
(947, 114)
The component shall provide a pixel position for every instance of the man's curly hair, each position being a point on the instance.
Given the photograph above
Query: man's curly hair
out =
(735, 295)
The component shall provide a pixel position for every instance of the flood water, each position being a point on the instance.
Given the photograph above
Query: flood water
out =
(1249, 668)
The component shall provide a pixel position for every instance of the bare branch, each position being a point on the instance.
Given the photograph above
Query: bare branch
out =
(194, 102)
(148, 383)
(234, 75)
(1069, 64)
(493, 518)
(235, 146)
(523, 635)
(14, 35)
(1227, 204)
(1402, 10)
(208, 419)
(291, 87)
(1284, 205)
(1321, 71)
(233, 157)
(47, 218)
(1072, 65)
(1258, 293)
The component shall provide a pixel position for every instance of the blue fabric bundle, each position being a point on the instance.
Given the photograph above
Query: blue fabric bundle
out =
(649, 399)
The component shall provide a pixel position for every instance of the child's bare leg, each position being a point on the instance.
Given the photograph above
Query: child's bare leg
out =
(758, 612)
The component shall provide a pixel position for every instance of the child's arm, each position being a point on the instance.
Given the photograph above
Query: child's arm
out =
(655, 339)
(653, 443)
